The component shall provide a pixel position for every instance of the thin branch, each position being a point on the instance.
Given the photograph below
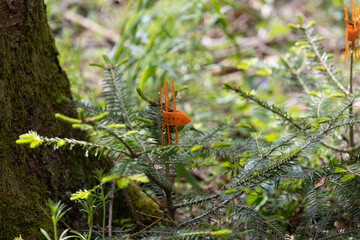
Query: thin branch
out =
(111, 204)
(112, 133)
(83, 143)
(351, 127)
(297, 75)
(323, 63)
(132, 210)
(273, 109)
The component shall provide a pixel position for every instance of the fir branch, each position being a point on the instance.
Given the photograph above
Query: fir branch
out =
(296, 73)
(120, 97)
(175, 233)
(348, 151)
(245, 176)
(344, 190)
(323, 63)
(260, 220)
(159, 180)
(278, 111)
(85, 144)
(336, 235)
(197, 200)
(92, 110)
(123, 142)
(347, 103)
(211, 210)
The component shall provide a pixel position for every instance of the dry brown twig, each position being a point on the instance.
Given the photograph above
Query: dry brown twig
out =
(92, 26)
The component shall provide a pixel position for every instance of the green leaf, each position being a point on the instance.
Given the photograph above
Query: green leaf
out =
(118, 126)
(337, 95)
(139, 178)
(123, 182)
(82, 127)
(312, 23)
(320, 38)
(81, 114)
(221, 232)
(149, 72)
(322, 120)
(97, 65)
(31, 138)
(340, 170)
(66, 119)
(347, 177)
(221, 144)
(321, 68)
(278, 29)
(271, 137)
(196, 148)
(293, 26)
(110, 178)
(145, 120)
(80, 195)
(291, 183)
(300, 19)
(45, 234)
(315, 94)
(243, 65)
(130, 133)
(188, 176)
(169, 69)
(99, 117)
(142, 95)
(295, 152)
(61, 142)
(244, 125)
(230, 191)
(107, 59)
(302, 43)
(264, 72)
(229, 86)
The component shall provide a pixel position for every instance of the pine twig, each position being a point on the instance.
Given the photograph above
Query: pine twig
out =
(323, 63)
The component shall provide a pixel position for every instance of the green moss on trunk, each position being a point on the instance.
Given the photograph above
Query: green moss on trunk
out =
(31, 80)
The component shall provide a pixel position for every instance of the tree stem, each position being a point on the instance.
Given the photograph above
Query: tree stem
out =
(351, 127)
(111, 209)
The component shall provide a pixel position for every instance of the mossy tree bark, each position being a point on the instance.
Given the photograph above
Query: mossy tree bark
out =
(32, 85)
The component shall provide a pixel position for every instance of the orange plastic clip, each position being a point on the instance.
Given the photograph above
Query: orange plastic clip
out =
(352, 30)
(171, 117)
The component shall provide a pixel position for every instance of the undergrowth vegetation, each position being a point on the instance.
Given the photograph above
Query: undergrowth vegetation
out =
(256, 170)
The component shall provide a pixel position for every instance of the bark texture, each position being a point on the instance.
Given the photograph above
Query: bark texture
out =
(32, 87)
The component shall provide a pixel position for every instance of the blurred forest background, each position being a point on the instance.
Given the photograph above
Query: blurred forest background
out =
(201, 44)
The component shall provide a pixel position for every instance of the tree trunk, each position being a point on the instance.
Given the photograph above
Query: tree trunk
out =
(32, 86)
